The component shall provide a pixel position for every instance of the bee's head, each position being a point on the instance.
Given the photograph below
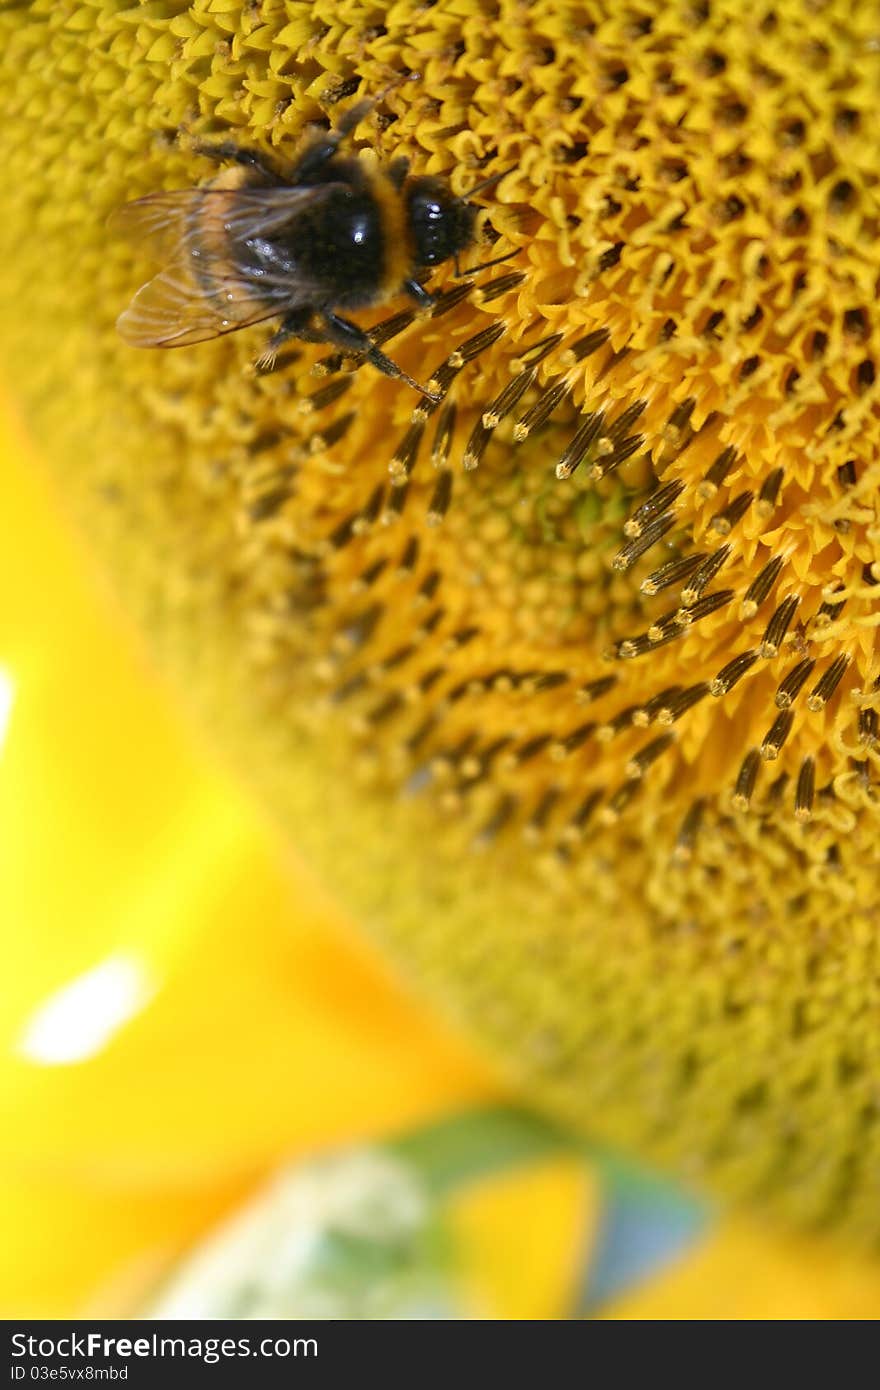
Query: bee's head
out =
(441, 224)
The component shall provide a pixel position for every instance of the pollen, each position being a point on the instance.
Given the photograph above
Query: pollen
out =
(568, 681)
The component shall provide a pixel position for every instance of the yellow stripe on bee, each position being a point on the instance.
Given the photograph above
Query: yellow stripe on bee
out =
(396, 238)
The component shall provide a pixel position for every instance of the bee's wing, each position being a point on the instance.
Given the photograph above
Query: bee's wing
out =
(202, 292)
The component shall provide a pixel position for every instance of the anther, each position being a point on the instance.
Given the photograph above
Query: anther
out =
(443, 436)
(704, 575)
(774, 633)
(689, 830)
(584, 347)
(805, 790)
(673, 572)
(504, 402)
(594, 690)
(746, 779)
(789, 688)
(640, 762)
(440, 498)
(827, 684)
(561, 748)
(574, 830)
(775, 737)
(628, 554)
(660, 499)
(733, 672)
(536, 415)
(501, 286)
(760, 587)
(406, 453)
(769, 494)
(579, 445)
(724, 521)
(681, 703)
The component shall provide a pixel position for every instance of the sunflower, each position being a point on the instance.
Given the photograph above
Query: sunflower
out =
(566, 682)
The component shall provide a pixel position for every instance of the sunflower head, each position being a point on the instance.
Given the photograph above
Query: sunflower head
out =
(569, 679)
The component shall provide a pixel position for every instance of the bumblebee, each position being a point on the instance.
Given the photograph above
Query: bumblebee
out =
(305, 245)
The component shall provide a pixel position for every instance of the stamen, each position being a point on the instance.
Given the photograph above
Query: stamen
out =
(746, 779)
(673, 572)
(530, 749)
(405, 455)
(583, 348)
(494, 290)
(535, 353)
(806, 786)
(789, 689)
(622, 720)
(343, 532)
(507, 399)
(464, 353)
(660, 499)
(640, 762)
(661, 702)
(571, 742)
(619, 800)
(827, 684)
(733, 672)
(370, 512)
(760, 587)
(325, 439)
(443, 436)
(396, 502)
(776, 735)
(868, 727)
(538, 821)
(778, 626)
(625, 420)
(268, 504)
(440, 498)
(715, 475)
(327, 395)
(624, 450)
(676, 426)
(689, 831)
(534, 683)
(579, 445)
(409, 559)
(594, 690)
(540, 412)
(724, 521)
(574, 830)
(369, 576)
(628, 554)
(447, 300)
(680, 704)
(704, 575)
(769, 494)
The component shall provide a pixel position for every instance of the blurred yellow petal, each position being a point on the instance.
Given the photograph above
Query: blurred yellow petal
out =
(742, 1273)
(187, 1008)
(522, 1239)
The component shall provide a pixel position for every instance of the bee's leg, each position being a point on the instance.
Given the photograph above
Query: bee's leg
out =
(294, 325)
(346, 335)
(227, 152)
(422, 297)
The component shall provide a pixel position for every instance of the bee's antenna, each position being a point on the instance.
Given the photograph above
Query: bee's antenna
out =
(487, 183)
(460, 274)
(355, 114)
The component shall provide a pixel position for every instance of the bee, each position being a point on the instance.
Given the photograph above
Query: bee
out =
(304, 244)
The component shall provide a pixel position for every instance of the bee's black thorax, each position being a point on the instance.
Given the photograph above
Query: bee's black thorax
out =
(343, 246)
